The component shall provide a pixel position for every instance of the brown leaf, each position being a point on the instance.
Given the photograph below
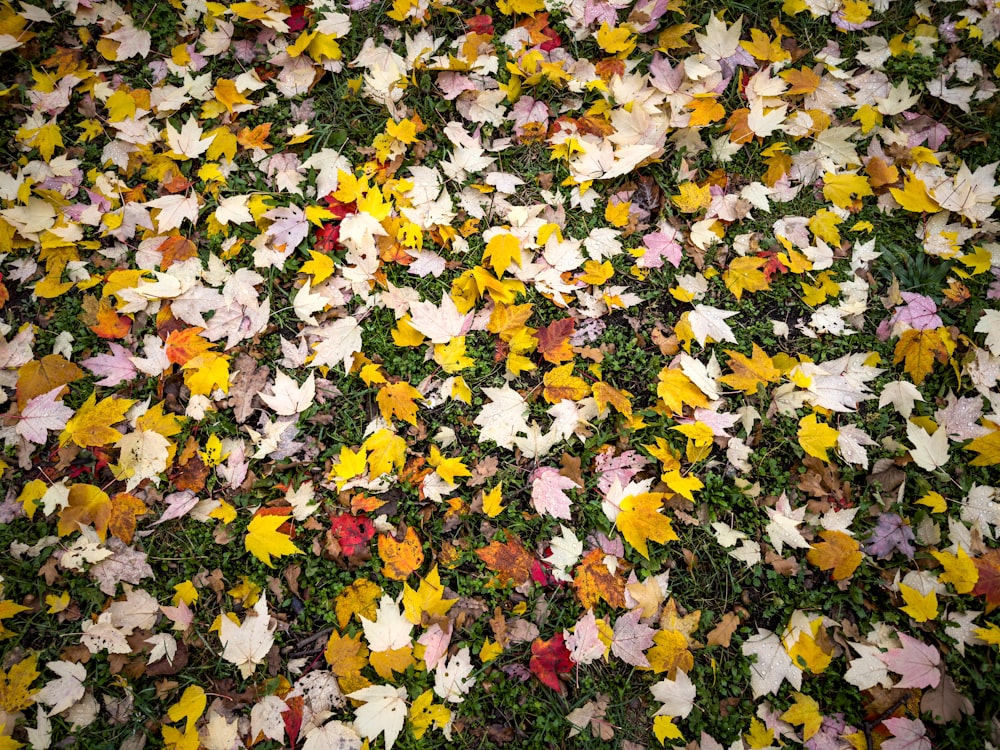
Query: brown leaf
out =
(593, 582)
(722, 633)
(553, 340)
(248, 380)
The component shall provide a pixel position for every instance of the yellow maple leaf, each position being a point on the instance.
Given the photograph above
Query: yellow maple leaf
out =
(492, 500)
(749, 373)
(988, 448)
(401, 558)
(842, 189)
(87, 505)
(745, 275)
(616, 214)
(357, 600)
(428, 597)
(919, 350)
(16, 693)
(824, 226)
(676, 389)
(387, 451)
(691, 198)
(959, 570)
(228, 95)
(807, 653)
(264, 541)
(606, 395)
(919, 606)
(804, 712)
(92, 423)
(640, 520)
(447, 468)
(190, 707)
(424, 713)
(502, 250)
(452, 357)
(351, 465)
(560, 383)
(914, 197)
(664, 729)
(617, 40)
(816, 438)
(759, 735)
(398, 399)
(670, 652)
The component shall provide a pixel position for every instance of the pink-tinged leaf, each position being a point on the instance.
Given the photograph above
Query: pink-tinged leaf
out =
(915, 662)
(181, 616)
(889, 535)
(453, 84)
(41, 414)
(112, 368)
(548, 492)
(907, 734)
(179, 504)
(435, 642)
(660, 246)
(632, 638)
(919, 312)
(290, 227)
(585, 644)
(622, 467)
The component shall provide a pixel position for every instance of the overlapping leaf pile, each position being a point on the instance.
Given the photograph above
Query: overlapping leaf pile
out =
(508, 336)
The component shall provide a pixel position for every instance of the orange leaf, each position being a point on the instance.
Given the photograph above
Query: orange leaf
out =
(705, 110)
(400, 558)
(553, 340)
(42, 375)
(748, 373)
(256, 138)
(509, 560)
(605, 396)
(125, 508)
(87, 505)
(185, 344)
(110, 325)
(175, 249)
(802, 81)
(594, 581)
(837, 552)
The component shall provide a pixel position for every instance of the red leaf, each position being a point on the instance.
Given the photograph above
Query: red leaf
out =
(352, 532)
(292, 716)
(988, 584)
(549, 659)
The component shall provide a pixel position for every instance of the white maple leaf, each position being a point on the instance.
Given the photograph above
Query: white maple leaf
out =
(564, 552)
(132, 42)
(452, 679)
(765, 123)
(287, 397)
(65, 691)
(902, 395)
(584, 643)
(333, 734)
(246, 645)
(265, 718)
(929, 452)
(219, 733)
(390, 629)
(720, 41)
(302, 499)
(339, 342)
(504, 417)
(868, 670)
(970, 194)
(43, 413)
(784, 523)
(710, 322)
(990, 325)
(383, 712)
(233, 209)
(676, 695)
(143, 454)
(439, 324)
(307, 302)
(899, 99)
(164, 647)
(188, 140)
(773, 665)
(174, 209)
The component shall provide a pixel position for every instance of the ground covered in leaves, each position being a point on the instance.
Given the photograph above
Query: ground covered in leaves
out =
(413, 373)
